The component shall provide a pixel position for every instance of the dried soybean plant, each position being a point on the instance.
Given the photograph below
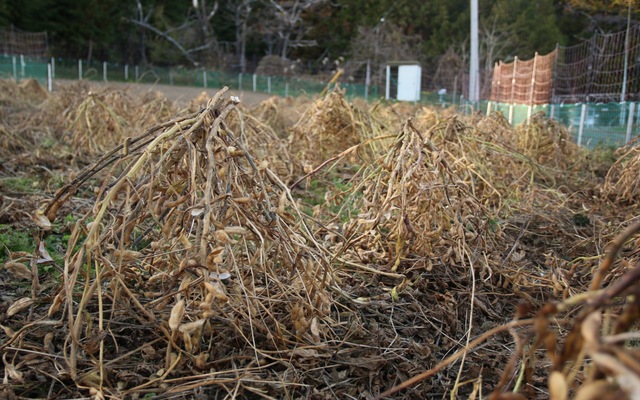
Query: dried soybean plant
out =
(415, 211)
(328, 127)
(622, 184)
(194, 262)
(264, 143)
(583, 347)
(94, 119)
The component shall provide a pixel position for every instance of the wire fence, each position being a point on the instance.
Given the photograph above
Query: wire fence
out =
(591, 124)
(20, 67)
(604, 68)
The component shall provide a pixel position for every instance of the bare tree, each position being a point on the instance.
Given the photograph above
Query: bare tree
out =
(198, 20)
(493, 43)
(380, 44)
(241, 10)
(288, 24)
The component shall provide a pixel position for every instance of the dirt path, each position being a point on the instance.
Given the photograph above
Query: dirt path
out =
(182, 95)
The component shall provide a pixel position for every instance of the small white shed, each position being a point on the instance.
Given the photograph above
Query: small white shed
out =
(403, 80)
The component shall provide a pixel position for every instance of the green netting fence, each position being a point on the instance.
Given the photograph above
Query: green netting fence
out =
(104, 71)
(20, 67)
(591, 124)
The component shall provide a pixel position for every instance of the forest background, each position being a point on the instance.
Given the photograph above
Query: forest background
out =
(310, 37)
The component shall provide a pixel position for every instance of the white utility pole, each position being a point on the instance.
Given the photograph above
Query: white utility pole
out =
(474, 85)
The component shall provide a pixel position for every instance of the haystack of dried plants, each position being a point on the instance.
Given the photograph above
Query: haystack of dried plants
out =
(93, 119)
(193, 269)
(622, 183)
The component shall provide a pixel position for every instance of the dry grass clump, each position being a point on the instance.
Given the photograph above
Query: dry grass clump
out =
(415, 211)
(622, 183)
(15, 95)
(281, 114)
(193, 269)
(328, 127)
(264, 143)
(93, 119)
(548, 143)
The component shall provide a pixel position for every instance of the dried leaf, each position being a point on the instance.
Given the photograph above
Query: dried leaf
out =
(41, 220)
(18, 270)
(19, 305)
(235, 230)
(44, 258)
(177, 312)
(191, 327)
(558, 387)
(13, 373)
(55, 305)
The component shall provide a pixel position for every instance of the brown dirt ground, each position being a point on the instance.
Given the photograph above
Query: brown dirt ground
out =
(182, 95)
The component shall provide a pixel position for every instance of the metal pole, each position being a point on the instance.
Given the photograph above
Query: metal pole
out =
(15, 69)
(104, 71)
(255, 82)
(126, 72)
(204, 78)
(136, 71)
(286, 89)
(474, 92)
(53, 67)
(269, 84)
(632, 108)
(583, 115)
(240, 81)
(79, 69)
(22, 65)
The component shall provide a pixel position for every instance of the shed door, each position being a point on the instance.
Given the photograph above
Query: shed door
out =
(409, 82)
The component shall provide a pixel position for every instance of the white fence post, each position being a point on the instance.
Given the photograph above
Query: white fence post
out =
(387, 89)
(204, 78)
(489, 108)
(553, 111)
(15, 69)
(367, 81)
(79, 69)
(255, 82)
(533, 86)
(583, 115)
(49, 77)
(268, 84)
(513, 88)
(632, 109)
(22, 65)
(104, 71)
(126, 72)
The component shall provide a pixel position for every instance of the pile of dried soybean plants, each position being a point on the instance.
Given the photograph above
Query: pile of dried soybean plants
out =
(448, 254)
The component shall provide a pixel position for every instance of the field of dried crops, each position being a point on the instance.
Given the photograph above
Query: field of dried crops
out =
(309, 248)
